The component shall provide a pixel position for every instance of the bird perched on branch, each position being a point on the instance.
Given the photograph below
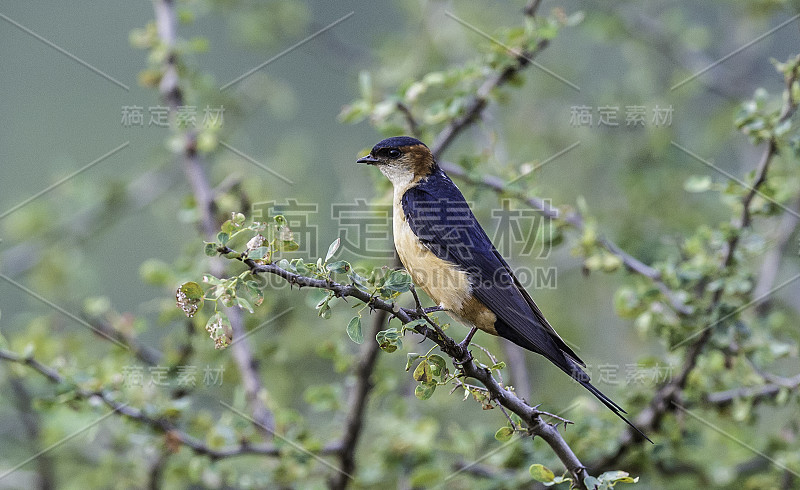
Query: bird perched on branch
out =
(449, 255)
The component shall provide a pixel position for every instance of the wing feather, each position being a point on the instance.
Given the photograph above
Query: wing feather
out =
(441, 218)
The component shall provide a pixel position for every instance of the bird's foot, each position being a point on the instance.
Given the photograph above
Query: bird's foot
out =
(432, 309)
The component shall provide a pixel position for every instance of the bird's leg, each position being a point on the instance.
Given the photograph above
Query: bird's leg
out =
(416, 299)
(419, 308)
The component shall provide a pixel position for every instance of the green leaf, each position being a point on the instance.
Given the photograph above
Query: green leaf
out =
(389, 340)
(300, 266)
(410, 358)
(358, 280)
(189, 298)
(592, 482)
(697, 183)
(192, 290)
(438, 364)
(210, 327)
(211, 249)
(398, 281)
(255, 292)
(332, 249)
(617, 476)
(325, 312)
(258, 253)
(228, 227)
(541, 473)
(223, 237)
(244, 304)
(425, 390)
(287, 245)
(227, 297)
(285, 265)
(354, 330)
(423, 372)
(213, 280)
(504, 434)
(340, 266)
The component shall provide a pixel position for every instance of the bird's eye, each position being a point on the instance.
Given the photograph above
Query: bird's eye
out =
(393, 153)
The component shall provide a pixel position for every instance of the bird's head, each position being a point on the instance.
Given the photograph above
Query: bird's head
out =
(402, 159)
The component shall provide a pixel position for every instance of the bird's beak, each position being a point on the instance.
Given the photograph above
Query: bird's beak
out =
(369, 159)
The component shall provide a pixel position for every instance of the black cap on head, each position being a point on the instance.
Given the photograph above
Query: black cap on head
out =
(397, 142)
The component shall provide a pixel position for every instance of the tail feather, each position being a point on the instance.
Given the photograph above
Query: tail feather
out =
(583, 378)
(568, 363)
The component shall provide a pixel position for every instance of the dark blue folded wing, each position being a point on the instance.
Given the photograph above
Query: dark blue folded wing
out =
(440, 217)
(438, 214)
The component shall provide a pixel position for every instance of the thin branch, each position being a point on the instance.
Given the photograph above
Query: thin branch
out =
(195, 173)
(411, 121)
(473, 112)
(159, 424)
(357, 405)
(756, 393)
(143, 352)
(458, 353)
(474, 109)
(772, 261)
(31, 422)
(669, 393)
(573, 219)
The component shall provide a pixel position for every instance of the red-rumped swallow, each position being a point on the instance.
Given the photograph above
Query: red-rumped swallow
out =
(448, 254)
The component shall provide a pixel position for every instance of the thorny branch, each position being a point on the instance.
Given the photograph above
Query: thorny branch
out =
(368, 355)
(473, 112)
(195, 173)
(458, 353)
(357, 405)
(669, 393)
(173, 434)
(573, 219)
(475, 107)
(757, 393)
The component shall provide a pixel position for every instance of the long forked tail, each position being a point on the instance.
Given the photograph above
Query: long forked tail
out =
(583, 378)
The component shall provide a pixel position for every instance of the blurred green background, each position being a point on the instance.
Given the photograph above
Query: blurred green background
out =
(90, 245)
